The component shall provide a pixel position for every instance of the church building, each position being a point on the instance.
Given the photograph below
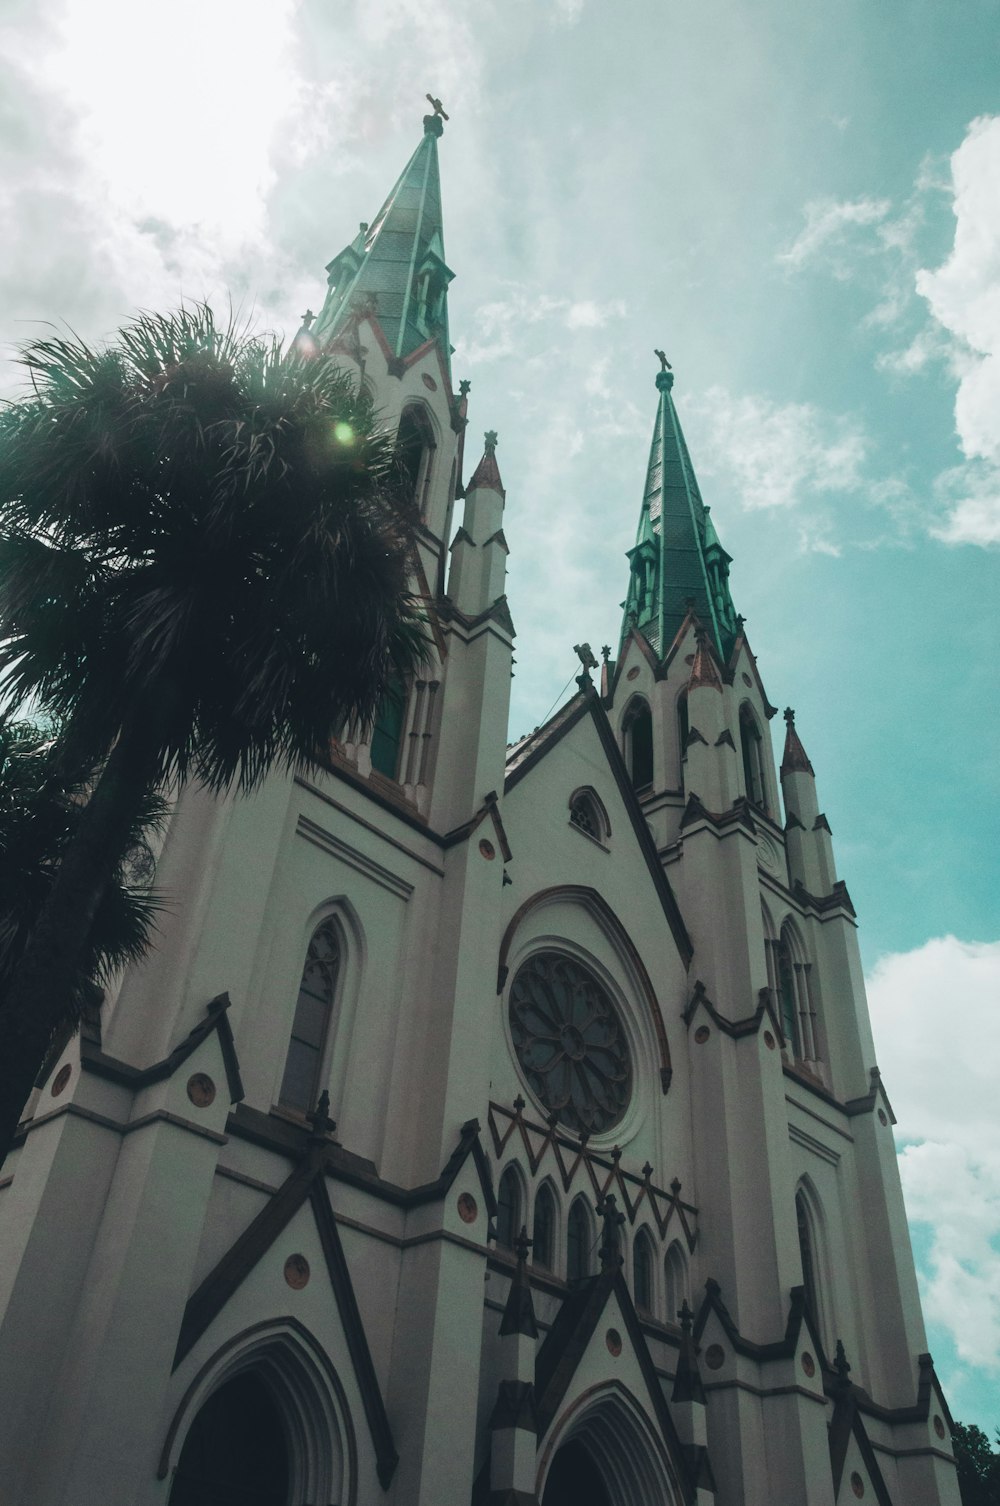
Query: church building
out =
(488, 1123)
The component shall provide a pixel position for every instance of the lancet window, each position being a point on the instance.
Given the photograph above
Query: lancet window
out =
(752, 751)
(638, 731)
(675, 1275)
(642, 1272)
(387, 733)
(543, 1230)
(509, 1218)
(415, 457)
(311, 1024)
(579, 1239)
(790, 980)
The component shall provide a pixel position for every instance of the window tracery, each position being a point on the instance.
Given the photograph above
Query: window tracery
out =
(570, 1042)
(311, 1022)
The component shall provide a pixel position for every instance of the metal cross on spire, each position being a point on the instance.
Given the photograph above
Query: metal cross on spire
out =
(664, 363)
(436, 106)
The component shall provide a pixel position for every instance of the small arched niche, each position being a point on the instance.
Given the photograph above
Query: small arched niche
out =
(510, 1208)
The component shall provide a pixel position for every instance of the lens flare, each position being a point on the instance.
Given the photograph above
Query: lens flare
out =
(343, 433)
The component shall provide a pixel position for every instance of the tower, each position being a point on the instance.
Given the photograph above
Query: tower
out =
(488, 1124)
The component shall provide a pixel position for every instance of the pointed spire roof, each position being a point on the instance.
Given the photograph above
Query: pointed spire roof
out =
(794, 760)
(486, 476)
(677, 561)
(395, 265)
(519, 1312)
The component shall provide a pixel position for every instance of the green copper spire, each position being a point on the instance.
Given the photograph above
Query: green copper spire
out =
(677, 560)
(396, 264)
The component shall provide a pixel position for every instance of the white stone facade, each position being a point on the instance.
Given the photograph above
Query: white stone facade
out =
(168, 1224)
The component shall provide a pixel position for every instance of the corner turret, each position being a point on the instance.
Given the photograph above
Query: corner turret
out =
(807, 832)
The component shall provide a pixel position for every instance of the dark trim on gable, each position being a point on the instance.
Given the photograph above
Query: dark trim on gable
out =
(749, 1025)
(589, 700)
(93, 1059)
(386, 1455)
(565, 1345)
(228, 1274)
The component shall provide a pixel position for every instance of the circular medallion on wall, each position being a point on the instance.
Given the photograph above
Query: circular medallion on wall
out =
(429, 382)
(468, 1208)
(60, 1080)
(570, 1043)
(201, 1090)
(613, 1339)
(297, 1272)
(487, 850)
(714, 1356)
(808, 1364)
(939, 1427)
(857, 1485)
(633, 673)
(768, 855)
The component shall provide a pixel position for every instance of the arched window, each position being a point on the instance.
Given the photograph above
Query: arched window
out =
(795, 994)
(642, 1272)
(638, 729)
(508, 1209)
(387, 733)
(786, 996)
(311, 1023)
(675, 1274)
(236, 1449)
(752, 750)
(543, 1230)
(683, 728)
(807, 1252)
(414, 456)
(578, 1242)
(587, 812)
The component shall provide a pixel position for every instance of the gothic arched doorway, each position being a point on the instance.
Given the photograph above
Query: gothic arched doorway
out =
(609, 1451)
(574, 1480)
(236, 1450)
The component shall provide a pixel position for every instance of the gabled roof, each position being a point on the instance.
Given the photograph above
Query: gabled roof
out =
(677, 561)
(523, 755)
(394, 260)
(568, 1340)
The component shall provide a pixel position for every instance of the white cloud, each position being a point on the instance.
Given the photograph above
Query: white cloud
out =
(964, 293)
(828, 222)
(778, 454)
(499, 326)
(934, 1011)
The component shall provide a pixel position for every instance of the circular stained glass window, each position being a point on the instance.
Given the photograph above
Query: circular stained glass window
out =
(570, 1042)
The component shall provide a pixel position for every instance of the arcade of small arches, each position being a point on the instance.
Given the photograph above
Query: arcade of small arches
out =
(568, 1248)
(637, 749)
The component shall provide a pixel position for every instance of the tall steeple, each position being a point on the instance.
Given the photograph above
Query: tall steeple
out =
(395, 266)
(677, 561)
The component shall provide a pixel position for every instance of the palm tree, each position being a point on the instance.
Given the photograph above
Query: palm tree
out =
(204, 567)
(41, 803)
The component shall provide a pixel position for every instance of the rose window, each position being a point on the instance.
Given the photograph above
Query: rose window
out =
(570, 1043)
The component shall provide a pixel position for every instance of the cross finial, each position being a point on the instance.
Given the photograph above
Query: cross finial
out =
(307, 319)
(463, 387)
(664, 363)
(686, 1316)
(436, 106)
(606, 652)
(840, 1364)
(789, 716)
(523, 1245)
(491, 440)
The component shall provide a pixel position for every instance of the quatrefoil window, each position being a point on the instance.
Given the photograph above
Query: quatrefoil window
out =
(570, 1043)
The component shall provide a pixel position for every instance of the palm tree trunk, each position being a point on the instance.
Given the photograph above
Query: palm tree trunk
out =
(39, 999)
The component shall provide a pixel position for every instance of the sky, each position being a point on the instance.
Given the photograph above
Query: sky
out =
(801, 205)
